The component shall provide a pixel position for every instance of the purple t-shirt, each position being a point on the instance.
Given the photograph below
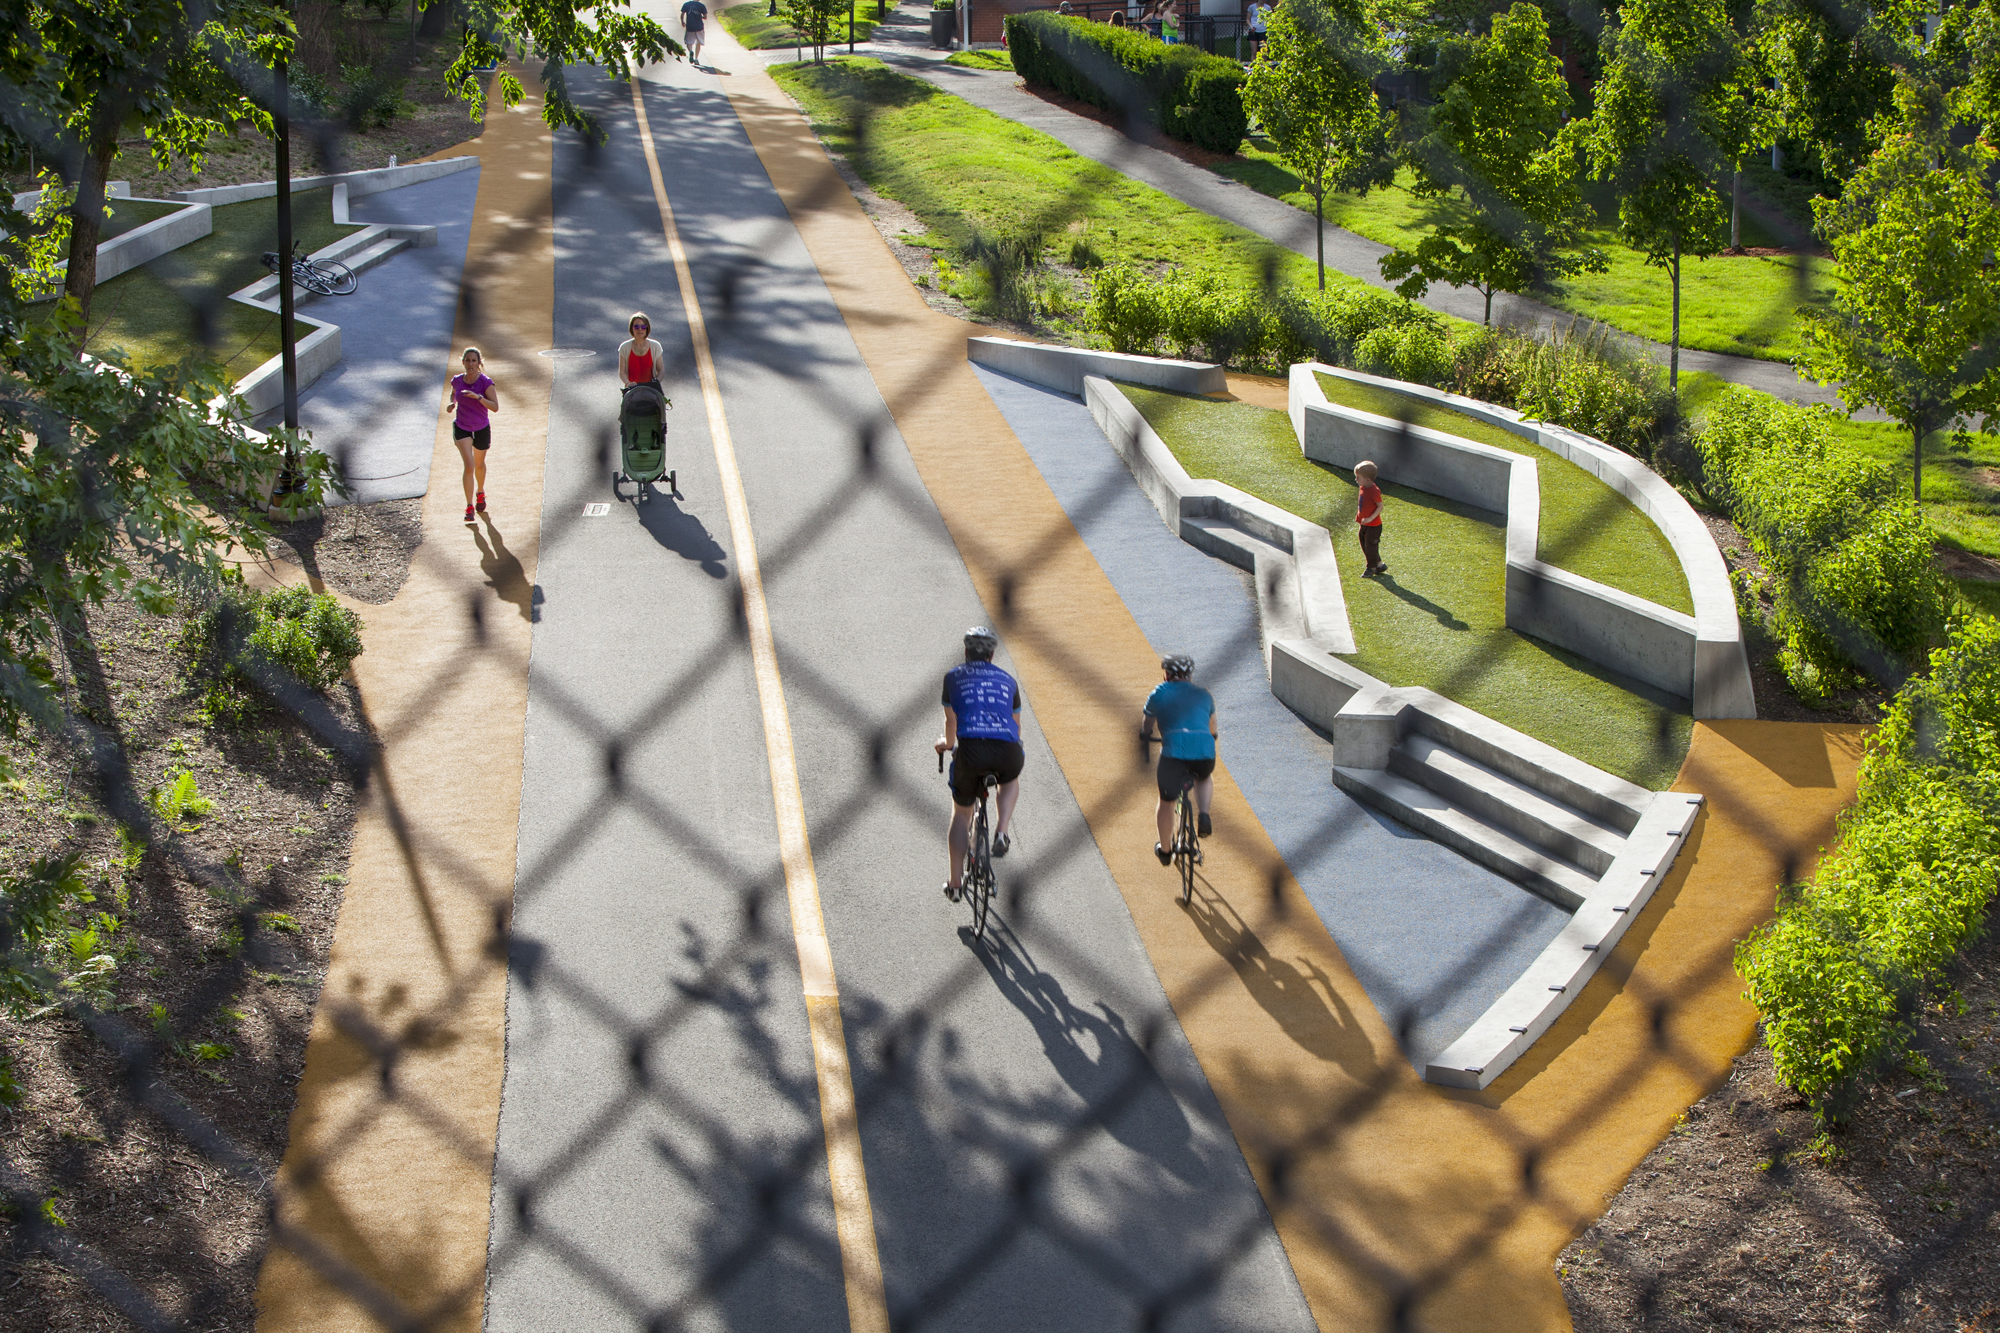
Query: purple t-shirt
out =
(471, 412)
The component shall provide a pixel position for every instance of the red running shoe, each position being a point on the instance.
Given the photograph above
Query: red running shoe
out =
(481, 505)
(468, 513)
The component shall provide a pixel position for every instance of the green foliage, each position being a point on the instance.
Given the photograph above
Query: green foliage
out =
(38, 250)
(1833, 64)
(1668, 123)
(180, 804)
(1914, 327)
(1853, 584)
(1311, 90)
(1187, 94)
(814, 21)
(34, 916)
(1492, 137)
(108, 486)
(561, 33)
(246, 638)
(1906, 889)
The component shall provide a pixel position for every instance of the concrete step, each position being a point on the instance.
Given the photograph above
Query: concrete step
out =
(1540, 872)
(377, 253)
(1610, 800)
(1508, 804)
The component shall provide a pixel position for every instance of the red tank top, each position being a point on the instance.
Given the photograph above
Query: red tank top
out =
(640, 366)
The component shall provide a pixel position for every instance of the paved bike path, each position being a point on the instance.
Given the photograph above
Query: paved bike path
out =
(703, 1189)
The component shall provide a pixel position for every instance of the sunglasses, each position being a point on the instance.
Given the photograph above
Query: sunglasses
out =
(642, 324)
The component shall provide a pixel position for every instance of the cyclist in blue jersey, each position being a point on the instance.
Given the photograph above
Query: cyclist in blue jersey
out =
(982, 723)
(1182, 715)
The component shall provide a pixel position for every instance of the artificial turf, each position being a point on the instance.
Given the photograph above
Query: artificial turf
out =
(157, 314)
(1586, 527)
(1438, 619)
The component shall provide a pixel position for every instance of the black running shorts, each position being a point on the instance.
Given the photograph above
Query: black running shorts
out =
(1173, 772)
(481, 438)
(976, 757)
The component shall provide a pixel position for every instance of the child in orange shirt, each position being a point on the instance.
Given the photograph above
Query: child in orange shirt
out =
(1368, 517)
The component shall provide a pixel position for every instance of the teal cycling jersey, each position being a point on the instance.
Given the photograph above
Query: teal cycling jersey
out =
(1182, 711)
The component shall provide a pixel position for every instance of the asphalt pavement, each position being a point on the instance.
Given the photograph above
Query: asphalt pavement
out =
(1043, 1150)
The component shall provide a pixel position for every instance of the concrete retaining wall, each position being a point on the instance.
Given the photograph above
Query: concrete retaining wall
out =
(1064, 368)
(1699, 657)
(358, 182)
(142, 245)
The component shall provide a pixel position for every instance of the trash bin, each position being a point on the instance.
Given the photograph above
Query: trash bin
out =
(944, 25)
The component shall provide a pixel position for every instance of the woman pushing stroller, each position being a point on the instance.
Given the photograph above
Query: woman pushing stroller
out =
(640, 359)
(642, 426)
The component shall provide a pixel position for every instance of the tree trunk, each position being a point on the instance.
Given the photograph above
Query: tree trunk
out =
(437, 19)
(1487, 321)
(1917, 462)
(1319, 231)
(87, 224)
(1736, 210)
(1674, 348)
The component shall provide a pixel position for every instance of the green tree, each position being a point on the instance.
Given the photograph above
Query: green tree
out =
(1914, 325)
(1833, 64)
(1665, 130)
(1310, 88)
(1492, 138)
(111, 482)
(815, 21)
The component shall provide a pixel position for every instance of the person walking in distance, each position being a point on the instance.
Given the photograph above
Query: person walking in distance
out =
(982, 723)
(694, 17)
(1182, 714)
(473, 398)
(1368, 517)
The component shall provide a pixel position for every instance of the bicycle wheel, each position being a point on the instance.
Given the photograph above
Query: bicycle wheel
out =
(979, 873)
(304, 275)
(339, 277)
(1187, 845)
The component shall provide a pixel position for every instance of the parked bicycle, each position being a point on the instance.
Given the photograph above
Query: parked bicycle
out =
(322, 277)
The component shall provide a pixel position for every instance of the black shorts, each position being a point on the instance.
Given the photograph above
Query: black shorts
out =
(481, 438)
(977, 756)
(1173, 772)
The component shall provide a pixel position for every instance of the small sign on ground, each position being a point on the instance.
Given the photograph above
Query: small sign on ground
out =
(596, 510)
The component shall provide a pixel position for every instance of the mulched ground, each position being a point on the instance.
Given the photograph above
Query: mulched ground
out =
(1742, 1219)
(225, 1017)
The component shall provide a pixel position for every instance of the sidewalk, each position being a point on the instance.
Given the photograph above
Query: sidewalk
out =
(904, 42)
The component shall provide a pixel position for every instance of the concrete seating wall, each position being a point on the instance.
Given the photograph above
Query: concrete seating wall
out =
(1699, 657)
(1064, 368)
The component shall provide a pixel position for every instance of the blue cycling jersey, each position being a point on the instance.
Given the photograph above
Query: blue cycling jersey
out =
(1182, 710)
(984, 698)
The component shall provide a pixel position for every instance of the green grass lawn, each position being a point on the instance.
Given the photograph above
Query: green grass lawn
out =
(752, 25)
(1586, 528)
(152, 316)
(132, 214)
(961, 169)
(1741, 304)
(980, 59)
(1439, 618)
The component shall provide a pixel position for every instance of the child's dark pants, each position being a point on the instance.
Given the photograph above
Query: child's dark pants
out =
(1371, 545)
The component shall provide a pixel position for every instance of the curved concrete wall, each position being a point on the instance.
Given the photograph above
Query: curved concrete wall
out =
(1699, 657)
(1065, 368)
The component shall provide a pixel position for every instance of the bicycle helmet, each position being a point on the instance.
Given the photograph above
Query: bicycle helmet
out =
(980, 643)
(1178, 667)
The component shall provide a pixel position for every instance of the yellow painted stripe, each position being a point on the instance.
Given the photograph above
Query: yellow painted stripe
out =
(853, 1217)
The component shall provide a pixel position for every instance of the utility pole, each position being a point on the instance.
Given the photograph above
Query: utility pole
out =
(850, 27)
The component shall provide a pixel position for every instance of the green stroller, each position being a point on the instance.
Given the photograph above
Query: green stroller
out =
(642, 440)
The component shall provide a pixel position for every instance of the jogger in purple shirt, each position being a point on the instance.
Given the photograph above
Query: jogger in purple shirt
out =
(473, 398)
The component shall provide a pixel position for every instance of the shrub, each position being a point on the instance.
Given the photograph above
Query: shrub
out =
(244, 636)
(1853, 584)
(34, 917)
(1908, 886)
(1590, 382)
(1186, 94)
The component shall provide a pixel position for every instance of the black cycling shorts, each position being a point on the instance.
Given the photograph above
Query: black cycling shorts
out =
(481, 438)
(1173, 772)
(976, 757)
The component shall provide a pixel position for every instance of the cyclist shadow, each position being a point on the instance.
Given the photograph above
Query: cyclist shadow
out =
(1116, 1079)
(1300, 995)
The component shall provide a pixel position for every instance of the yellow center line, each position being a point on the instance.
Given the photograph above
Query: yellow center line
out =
(853, 1217)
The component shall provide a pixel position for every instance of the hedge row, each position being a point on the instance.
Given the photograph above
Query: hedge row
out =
(1849, 564)
(1186, 94)
(1908, 886)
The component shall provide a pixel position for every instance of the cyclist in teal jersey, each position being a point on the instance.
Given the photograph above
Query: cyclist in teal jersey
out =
(982, 723)
(1182, 715)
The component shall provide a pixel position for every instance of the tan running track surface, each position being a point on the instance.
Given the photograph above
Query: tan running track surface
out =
(384, 1194)
(1385, 1190)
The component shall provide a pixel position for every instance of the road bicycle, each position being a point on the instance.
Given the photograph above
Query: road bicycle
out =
(323, 277)
(977, 877)
(1184, 854)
